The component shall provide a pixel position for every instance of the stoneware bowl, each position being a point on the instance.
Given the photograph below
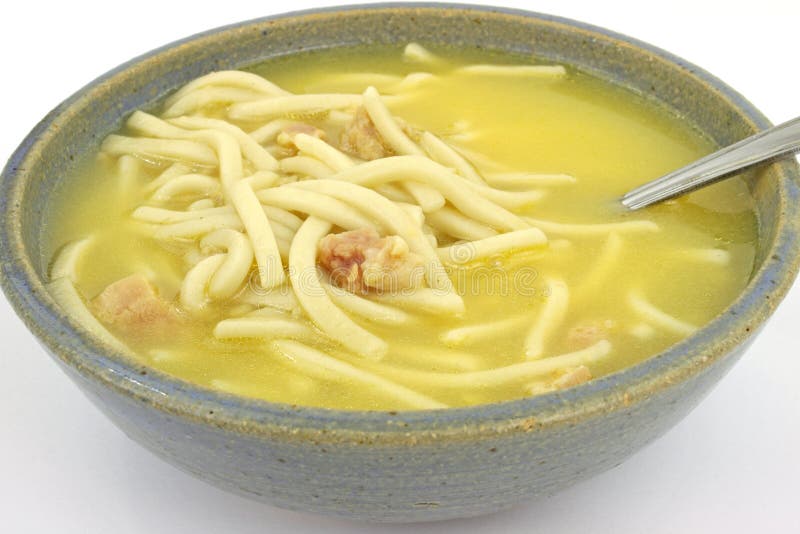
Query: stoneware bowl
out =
(407, 466)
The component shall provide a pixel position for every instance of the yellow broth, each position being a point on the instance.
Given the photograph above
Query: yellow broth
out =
(609, 139)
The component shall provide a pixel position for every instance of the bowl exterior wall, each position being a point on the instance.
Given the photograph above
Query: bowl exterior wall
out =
(403, 482)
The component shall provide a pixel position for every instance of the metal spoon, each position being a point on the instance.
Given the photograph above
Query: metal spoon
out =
(775, 141)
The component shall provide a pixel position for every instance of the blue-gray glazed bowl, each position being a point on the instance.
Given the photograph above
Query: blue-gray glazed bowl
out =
(386, 466)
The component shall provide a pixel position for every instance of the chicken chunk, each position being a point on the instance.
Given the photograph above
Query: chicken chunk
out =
(360, 138)
(587, 334)
(132, 304)
(300, 127)
(285, 138)
(361, 260)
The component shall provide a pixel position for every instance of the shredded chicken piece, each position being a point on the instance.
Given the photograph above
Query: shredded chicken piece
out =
(361, 260)
(587, 334)
(360, 138)
(301, 127)
(132, 303)
(573, 377)
(285, 138)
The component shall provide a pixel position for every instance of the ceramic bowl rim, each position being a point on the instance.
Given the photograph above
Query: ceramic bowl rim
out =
(97, 362)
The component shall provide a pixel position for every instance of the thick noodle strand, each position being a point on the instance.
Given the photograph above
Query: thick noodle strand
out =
(320, 364)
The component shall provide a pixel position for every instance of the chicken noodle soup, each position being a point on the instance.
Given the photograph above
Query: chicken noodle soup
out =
(392, 229)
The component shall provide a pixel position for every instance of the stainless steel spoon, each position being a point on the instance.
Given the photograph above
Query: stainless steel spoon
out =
(776, 141)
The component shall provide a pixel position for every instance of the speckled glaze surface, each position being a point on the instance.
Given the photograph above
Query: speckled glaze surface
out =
(408, 466)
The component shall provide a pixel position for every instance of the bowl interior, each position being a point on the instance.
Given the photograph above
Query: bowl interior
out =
(75, 128)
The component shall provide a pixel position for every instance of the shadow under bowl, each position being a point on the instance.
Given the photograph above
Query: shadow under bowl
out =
(386, 466)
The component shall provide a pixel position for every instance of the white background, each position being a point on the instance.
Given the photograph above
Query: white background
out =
(732, 466)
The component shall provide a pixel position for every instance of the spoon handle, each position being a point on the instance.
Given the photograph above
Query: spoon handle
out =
(762, 146)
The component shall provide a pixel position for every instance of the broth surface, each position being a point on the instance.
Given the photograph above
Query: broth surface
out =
(609, 139)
